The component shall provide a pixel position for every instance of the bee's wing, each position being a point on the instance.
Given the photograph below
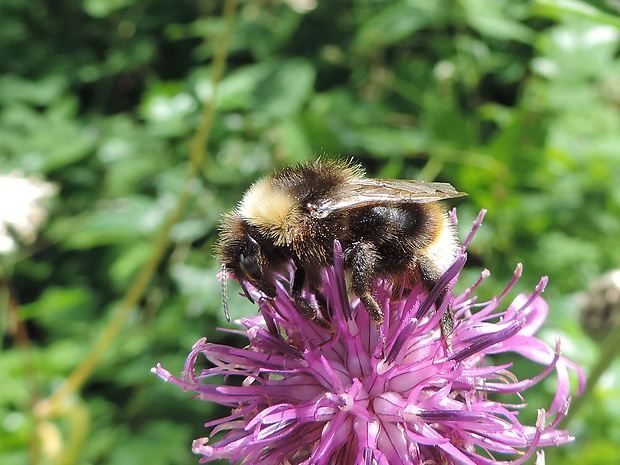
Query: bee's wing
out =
(364, 191)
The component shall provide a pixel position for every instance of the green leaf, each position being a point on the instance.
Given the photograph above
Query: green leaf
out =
(43, 92)
(392, 142)
(56, 301)
(490, 19)
(396, 22)
(102, 8)
(111, 223)
(43, 142)
(275, 88)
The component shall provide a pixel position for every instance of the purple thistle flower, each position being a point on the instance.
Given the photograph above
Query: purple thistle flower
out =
(400, 395)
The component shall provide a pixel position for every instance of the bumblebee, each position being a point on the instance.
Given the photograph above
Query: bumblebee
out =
(390, 229)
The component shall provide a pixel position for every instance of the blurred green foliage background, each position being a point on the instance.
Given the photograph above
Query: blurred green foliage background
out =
(516, 103)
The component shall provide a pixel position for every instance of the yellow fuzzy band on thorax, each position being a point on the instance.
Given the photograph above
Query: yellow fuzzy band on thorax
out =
(271, 209)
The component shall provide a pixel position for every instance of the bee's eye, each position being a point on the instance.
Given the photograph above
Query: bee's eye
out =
(249, 265)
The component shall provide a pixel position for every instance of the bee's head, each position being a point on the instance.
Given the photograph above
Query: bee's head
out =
(250, 261)
(243, 256)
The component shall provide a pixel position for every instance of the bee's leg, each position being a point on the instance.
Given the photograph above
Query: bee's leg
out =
(245, 291)
(324, 321)
(303, 305)
(447, 320)
(315, 283)
(446, 325)
(430, 276)
(362, 258)
(322, 302)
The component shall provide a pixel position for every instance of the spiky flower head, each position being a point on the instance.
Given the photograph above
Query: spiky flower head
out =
(401, 395)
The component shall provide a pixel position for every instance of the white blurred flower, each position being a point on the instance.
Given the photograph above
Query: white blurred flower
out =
(302, 6)
(22, 209)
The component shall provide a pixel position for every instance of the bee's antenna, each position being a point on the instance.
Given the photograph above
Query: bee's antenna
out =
(224, 281)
